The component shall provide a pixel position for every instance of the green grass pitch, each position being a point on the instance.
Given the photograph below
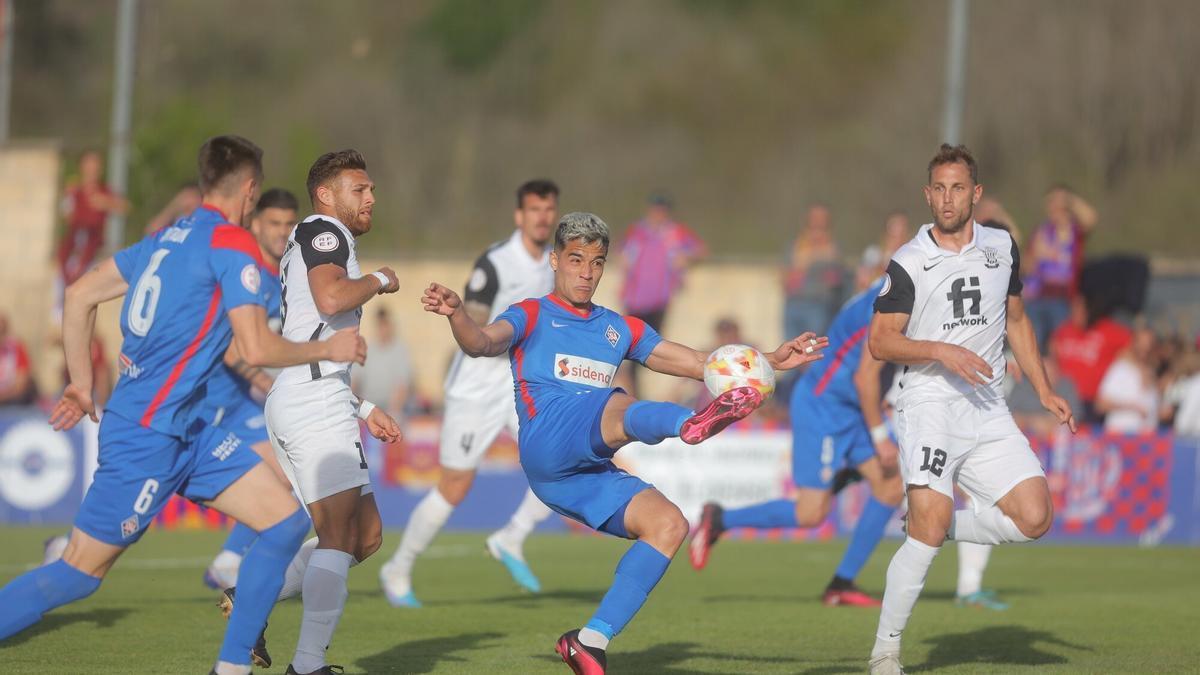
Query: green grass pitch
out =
(754, 610)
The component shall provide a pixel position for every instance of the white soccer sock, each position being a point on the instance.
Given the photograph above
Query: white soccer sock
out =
(529, 513)
(989, 526)
(905, 579)
(325, 596)
(226, 668)
(423, 525)
(972, 561)
(593, 638)
(293, 577)
(226, 564)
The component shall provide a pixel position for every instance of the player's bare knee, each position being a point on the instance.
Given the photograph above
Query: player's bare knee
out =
(811, 515)
(888, 491)
(673, 529)
(368, 544)
(454, 486)
(1034, 519)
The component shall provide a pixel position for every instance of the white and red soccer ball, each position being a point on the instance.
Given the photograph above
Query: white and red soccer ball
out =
(733, 366)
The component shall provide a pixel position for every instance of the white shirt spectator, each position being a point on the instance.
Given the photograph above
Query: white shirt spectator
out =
(1184, 396)
(1126, 386)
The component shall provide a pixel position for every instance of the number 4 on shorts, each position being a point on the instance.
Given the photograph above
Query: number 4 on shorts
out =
(938, 462)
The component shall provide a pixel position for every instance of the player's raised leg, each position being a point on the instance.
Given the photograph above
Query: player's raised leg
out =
(75, 576)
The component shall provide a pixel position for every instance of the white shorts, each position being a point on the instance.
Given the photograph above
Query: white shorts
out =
(470, 426)
(314, 429)
(979, 447)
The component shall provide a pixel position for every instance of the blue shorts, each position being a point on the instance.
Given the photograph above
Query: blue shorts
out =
(246, 419)
(140, 469)
(826, 436)
(570, 467)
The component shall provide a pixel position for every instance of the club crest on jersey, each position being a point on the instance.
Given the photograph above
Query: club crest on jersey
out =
(129, 526)
(992, 257)
(613, 336)
(887, 285)
(250, 278)
(579, 370)
(325, 242)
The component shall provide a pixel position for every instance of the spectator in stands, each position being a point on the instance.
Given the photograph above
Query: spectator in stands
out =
(1128, 396)
(184, 202)
(86, 204)
(388, 381)
(896, 233)
(989, 211)
(1182, 395)
(16, 375)
(1054, 258)
(656, 251)
(815, 281)
(1084, 347)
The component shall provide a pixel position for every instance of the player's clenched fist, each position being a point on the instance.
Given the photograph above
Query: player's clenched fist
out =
(964, 363)
(347, 345)
(440, 300)
(393, 282)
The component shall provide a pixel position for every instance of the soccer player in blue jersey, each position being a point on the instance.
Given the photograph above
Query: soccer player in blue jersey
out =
(564, 351)
(837, 423)
(235, 392)
(189, 289)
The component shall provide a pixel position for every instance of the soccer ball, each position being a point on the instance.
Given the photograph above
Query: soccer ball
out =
(732, 366)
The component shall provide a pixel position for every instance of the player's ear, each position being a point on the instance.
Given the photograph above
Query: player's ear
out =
(554, 259)
(325, 195)
(978, 194)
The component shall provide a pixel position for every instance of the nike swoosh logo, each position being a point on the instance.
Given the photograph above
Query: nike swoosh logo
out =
(894, 635)
(557, 324)
(929, 267)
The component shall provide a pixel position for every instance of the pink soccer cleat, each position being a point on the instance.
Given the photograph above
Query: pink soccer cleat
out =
(726, 409)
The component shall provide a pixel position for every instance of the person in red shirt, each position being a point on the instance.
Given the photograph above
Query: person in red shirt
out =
(87, 201)
(16, 376)
(1085, 347)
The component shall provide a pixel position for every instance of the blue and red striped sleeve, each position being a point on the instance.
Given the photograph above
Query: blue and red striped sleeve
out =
(523, 318)
(236, 261)
(643, 339)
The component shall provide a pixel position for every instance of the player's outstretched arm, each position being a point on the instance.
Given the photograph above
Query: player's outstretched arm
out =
(870, 402)
(490, 340)
(1023, 341)
(102, 283)
(333, 291)
(888, 342)
(260, 346)
(672, 358)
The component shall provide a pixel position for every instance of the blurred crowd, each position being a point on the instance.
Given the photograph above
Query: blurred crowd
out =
(1102, 355)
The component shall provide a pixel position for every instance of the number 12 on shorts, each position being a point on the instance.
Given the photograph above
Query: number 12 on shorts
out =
(935, 460)
(362, 456)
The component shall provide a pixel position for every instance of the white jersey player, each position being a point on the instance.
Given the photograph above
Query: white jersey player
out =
(312, 416)
(951, 298)
(479, 399)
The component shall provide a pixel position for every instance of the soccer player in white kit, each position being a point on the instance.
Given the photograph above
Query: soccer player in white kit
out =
(312, 416)
(952, 295)
(479, 399)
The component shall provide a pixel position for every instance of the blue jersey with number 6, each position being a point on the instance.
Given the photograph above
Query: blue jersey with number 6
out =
(182, 281)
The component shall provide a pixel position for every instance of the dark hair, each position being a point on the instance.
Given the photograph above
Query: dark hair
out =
(225, 156)
(954, 154)
(329, 165)
(277, 198)
(542, 187)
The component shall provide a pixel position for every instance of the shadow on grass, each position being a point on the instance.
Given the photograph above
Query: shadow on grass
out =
(422, 656)
(667, 657)
(566, 596)
(102, 618)
(1012, 645)
(1002, 594)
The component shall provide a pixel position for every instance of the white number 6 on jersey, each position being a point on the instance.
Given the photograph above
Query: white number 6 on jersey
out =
(145, 296)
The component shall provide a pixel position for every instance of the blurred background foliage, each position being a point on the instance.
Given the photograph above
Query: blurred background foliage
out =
(744, 110)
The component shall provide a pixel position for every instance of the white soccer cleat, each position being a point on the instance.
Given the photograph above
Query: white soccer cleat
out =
(886, 664)
(397, 589)
(53, 548)
(514, 561)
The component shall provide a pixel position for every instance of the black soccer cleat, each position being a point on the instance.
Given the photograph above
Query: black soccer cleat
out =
(258, 655)
(582, 659)
(323, 670)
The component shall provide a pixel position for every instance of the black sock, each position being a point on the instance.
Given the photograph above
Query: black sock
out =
(840, 583)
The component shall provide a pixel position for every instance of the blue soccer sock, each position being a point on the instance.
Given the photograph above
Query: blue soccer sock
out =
(867, 533)
(652, 421)
(638, 572)
(259, 581)
(776, 513)
(239, 540)
(25, 599)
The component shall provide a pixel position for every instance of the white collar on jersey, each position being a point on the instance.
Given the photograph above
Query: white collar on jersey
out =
(331, 219)
(515, 239)
(927, 242)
